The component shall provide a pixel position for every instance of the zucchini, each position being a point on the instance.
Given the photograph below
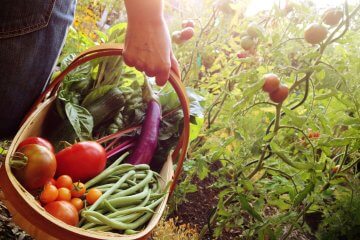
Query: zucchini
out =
(107, 106)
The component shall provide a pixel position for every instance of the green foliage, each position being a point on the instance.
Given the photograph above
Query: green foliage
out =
(341, 219)
(268, 158)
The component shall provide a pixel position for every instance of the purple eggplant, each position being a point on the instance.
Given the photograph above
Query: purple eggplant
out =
(147, 142)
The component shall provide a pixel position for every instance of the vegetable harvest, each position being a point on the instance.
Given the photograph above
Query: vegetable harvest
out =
(100, 122)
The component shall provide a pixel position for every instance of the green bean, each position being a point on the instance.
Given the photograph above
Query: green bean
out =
(111, 190)
(130, 232)
(109, 206)
(120, 213)
(121, 201)
(107, 171)
(109, 185)
(135, 188)
(117, 224)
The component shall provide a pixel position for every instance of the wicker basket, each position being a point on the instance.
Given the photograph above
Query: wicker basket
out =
(27, 212)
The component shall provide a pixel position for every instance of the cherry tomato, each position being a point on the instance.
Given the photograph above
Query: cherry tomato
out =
(247, 42)
(40, 166)
(188, 23)
(63, 211)
(81, 161)
(175, 37)
(93, 195)
(187, 33)
(316, 134)
(77, 203)
(39, 141)
(78, 190)
(51, 181)
(315, 33)
(254, 30)
(64, 194)
(242, 55)
(64, 181)
(332, 16)
(271, 82)
(280, 94)
(335, 169)
(49, 194)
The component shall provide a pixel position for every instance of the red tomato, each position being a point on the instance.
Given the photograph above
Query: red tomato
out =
(63, 211)
(271, 82)
(81, 161)
(188, 23)
(64, 181)
(78, 203)
(93, 195)
(187, 33)
(335, 169)
(78, 190)
(39, 141)
(64, 194)
(39, 169)
(49, 194)
(280, 94)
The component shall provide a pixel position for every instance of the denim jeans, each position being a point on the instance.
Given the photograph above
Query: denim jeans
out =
(32, 33)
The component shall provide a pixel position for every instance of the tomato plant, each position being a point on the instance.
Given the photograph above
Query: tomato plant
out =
(259, 142)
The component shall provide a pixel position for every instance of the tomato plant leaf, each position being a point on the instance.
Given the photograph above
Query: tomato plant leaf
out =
(246, 206)
(303, 194)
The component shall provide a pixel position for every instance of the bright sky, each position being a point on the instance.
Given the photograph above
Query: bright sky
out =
(259, 5)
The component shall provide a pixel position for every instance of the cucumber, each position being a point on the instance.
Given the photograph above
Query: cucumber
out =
(107, 106)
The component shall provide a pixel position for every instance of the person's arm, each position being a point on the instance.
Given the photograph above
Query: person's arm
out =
(147, 42)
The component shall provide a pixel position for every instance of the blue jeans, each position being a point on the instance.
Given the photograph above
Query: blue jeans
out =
(32, 33)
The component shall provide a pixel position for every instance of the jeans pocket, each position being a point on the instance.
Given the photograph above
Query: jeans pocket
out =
(19, 17)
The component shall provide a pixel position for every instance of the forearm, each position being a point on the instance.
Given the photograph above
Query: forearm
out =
(144, 10)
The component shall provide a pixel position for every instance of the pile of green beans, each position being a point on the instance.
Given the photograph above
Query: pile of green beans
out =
(130, 195)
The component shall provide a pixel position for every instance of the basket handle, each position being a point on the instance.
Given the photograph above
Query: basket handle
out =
(113, 49)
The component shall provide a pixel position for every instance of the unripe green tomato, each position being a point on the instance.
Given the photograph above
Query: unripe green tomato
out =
(247, 43)
(176, 37)
(254, 30)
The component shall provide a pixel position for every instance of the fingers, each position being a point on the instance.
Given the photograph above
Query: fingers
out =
(152, 67)
(162, 75)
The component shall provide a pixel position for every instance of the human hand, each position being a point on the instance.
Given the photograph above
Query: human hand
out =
(148, 49)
